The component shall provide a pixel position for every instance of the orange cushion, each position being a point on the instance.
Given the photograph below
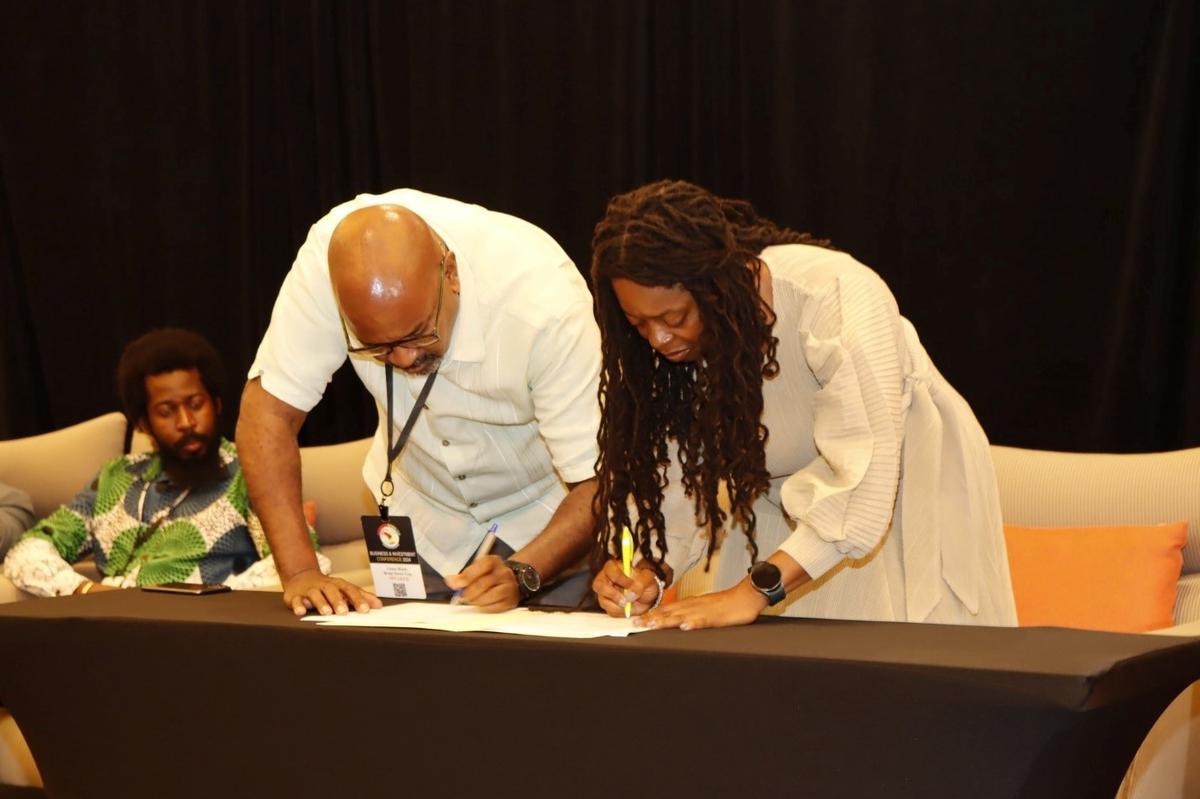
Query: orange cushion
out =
(1119, 579)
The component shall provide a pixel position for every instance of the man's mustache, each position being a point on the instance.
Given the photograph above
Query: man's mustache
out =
(189, 438)
(424, 364)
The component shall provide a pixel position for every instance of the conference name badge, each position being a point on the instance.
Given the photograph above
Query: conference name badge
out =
(392, 551)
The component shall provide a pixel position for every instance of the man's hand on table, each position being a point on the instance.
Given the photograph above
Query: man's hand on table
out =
(312, 590)
(488, 584)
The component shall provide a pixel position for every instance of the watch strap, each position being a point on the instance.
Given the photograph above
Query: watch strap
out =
(521, 572)
(774, 594)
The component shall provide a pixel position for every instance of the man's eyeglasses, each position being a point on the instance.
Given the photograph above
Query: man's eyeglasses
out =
(418, 341)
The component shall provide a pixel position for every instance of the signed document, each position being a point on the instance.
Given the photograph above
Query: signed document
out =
(464, 618)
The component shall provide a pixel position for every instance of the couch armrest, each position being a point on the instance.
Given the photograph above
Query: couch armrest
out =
(332, 478)
(1187, 601)
(10, 593)
(1191, 628)
(53, 467)
(1040, 488)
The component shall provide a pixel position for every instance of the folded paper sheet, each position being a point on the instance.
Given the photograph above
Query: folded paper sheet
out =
(464, 618)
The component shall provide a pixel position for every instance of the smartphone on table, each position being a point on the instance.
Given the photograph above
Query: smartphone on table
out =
(195, 589)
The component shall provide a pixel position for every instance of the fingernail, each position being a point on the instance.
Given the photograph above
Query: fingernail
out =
(685, 626)
(326, 610)
(629, 596)
(342, 611)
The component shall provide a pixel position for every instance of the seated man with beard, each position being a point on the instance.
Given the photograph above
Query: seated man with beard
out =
(180, 513)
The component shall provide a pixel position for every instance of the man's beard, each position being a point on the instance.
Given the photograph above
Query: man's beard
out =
(424, 365)
(193, 469)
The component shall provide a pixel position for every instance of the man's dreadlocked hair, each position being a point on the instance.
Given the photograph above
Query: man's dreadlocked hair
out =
(673, 233)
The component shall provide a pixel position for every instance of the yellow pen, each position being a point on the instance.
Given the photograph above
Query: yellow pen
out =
(627, 560)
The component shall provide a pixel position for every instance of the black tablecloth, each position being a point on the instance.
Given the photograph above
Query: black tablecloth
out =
(176, 696)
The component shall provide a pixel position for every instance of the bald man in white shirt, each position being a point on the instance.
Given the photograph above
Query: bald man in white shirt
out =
(492, 314)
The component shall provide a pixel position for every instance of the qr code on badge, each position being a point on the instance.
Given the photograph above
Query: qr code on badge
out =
(399, 590)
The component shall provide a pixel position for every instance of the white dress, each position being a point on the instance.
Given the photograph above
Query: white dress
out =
(882, 484)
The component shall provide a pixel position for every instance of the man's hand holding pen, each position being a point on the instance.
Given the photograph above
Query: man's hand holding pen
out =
(488, 584)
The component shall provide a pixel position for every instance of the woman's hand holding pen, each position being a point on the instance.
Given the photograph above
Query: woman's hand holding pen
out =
(613, 589)
(487, 584)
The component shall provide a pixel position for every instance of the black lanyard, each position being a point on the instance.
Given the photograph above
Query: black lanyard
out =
(386, 487)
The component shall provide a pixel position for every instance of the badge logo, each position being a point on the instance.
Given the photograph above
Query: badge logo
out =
(389, 535)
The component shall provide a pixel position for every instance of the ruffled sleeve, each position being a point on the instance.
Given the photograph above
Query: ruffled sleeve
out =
(843, 500)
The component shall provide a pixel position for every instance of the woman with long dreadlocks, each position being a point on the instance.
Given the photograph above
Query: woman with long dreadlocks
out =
(745, 358)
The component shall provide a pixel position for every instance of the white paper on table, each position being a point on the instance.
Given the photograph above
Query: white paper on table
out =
(464, 618)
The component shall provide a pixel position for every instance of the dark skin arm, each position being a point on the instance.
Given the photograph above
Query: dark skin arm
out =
(266, 439)
(491, 586)
(740, 604)
(270, 456)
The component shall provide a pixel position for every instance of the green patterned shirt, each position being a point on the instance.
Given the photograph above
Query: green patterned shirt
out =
(141, 527)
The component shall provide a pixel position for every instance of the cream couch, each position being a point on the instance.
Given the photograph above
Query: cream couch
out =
(1049, 489)
(1037, 488)
(1058, 489)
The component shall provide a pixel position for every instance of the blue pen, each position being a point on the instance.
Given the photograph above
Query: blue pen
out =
(488, 541)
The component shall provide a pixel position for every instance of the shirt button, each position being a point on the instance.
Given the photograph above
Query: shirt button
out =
(445, 443)
(461, 477)
(474, 504)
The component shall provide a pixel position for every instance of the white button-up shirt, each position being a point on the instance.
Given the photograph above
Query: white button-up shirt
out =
(513, 414)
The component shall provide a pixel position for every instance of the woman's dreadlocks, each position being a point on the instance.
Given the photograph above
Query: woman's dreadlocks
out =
(673, 233)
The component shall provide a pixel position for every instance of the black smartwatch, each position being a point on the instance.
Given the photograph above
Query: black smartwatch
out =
(768, 581)
(529, 582)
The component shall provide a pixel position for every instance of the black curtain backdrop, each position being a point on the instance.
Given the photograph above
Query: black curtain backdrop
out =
(1023, 174)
